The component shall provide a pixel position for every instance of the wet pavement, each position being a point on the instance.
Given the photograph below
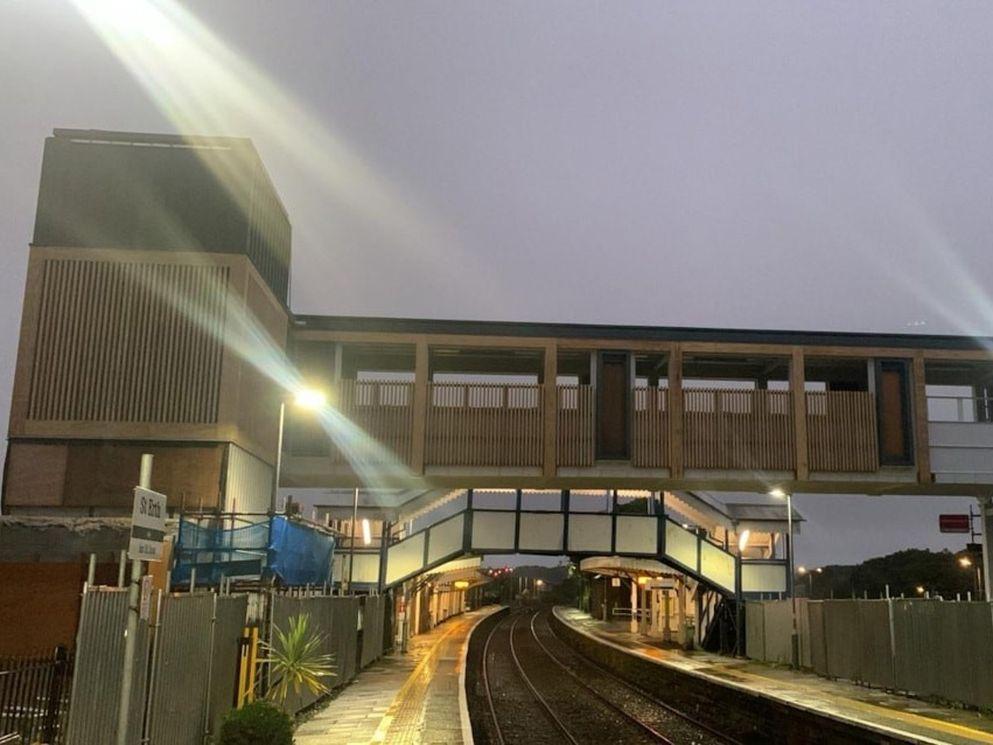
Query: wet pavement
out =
(871, 709)
(411, 698)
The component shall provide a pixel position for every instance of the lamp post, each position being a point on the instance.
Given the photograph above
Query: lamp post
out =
(306, 398)
(795, 637)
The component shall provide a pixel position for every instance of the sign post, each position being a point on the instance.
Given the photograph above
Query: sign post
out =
(147, 525)
(147, 533)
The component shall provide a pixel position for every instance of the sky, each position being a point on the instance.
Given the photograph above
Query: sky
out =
(802, 165)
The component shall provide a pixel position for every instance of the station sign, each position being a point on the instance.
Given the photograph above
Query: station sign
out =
(147, 525)
(955, 523)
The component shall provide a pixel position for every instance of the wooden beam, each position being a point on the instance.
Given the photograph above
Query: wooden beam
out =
(550, 409)
(799, 395)
(922, 447)
(676, 412)
(420, 413)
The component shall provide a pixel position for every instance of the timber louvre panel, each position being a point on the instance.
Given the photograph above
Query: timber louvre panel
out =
(484, 425)
(841, 431)
(650, 426)
(738, 429)
(575, 425)
(128, 342)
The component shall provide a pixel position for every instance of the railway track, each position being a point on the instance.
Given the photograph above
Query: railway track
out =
(536, 689)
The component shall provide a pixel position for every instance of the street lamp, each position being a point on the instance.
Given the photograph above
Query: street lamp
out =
(965, 562)
(306, 398)
(795, 639)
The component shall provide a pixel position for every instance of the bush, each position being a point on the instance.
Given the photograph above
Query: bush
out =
(257, 723)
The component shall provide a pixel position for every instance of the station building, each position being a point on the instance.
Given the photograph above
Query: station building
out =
(157, 318)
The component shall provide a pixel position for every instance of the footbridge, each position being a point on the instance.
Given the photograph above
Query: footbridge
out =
(559, 530)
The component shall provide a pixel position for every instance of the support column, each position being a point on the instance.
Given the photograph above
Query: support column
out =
(986, 515)
(550, 410)
(799, 397)
(420, 413)
(922, 447)
(675, 376)
(634, 605)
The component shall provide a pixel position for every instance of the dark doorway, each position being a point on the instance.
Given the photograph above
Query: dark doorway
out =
(613, 405)
(893, 409)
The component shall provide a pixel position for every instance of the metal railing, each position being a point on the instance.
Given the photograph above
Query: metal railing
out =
(34, 696)
(960, 409)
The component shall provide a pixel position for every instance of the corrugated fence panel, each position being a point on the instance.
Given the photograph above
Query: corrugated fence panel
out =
(372, 628)
(875, 658)
(320, 611)
(344, 635)
(96, 680)
(181, 668)
(755, 630)
(818, 639)
(840, 619)
(228, 629)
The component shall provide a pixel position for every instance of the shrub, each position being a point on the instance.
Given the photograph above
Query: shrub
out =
(295, 661)
(257, 723)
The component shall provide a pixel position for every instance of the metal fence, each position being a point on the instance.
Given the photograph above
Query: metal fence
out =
(34, 696)
(96, 680)
(924, 647)
(188, 660)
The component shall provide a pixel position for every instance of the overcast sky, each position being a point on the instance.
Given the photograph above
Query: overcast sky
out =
(771, 165)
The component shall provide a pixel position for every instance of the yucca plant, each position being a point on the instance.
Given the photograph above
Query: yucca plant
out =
(295, 660)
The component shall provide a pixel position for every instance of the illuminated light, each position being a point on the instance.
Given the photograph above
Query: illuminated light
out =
(819, 570)
(686, 526)
(202, 84)
(743, 540)
(310, 398)
(801, 570)
(920, 589)
(461, 584)
(777, 493)
(366, 531)
(540, 582)
(965, 561)
(643, 580)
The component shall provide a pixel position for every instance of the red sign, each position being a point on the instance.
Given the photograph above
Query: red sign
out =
(954, 523)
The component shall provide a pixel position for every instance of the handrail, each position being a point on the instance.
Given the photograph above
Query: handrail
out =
(965, 413)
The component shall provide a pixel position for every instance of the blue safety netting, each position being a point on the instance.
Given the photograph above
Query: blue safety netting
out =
(292, 552)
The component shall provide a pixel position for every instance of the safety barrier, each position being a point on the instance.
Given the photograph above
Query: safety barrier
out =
(196, 650)
(924, 647)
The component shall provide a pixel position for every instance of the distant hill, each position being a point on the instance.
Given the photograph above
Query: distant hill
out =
(938, 572)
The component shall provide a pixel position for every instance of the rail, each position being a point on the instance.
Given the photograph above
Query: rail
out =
(382, 411)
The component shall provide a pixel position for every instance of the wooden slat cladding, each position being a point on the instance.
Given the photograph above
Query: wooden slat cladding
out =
(384, 412)
(650, 426)
(575, 445)
(738, 429)
(484, 425)
(841, 427)
(128, 342)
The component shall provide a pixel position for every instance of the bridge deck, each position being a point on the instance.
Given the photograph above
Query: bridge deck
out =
(889, 715)
(410, 698)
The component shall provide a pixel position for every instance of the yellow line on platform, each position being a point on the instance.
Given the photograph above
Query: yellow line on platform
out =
(413, 679)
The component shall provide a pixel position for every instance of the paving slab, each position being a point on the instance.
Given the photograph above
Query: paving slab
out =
(871, 708)
(402, 698)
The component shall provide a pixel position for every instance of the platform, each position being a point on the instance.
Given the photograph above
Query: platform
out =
(888, 714)
(403, 698)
